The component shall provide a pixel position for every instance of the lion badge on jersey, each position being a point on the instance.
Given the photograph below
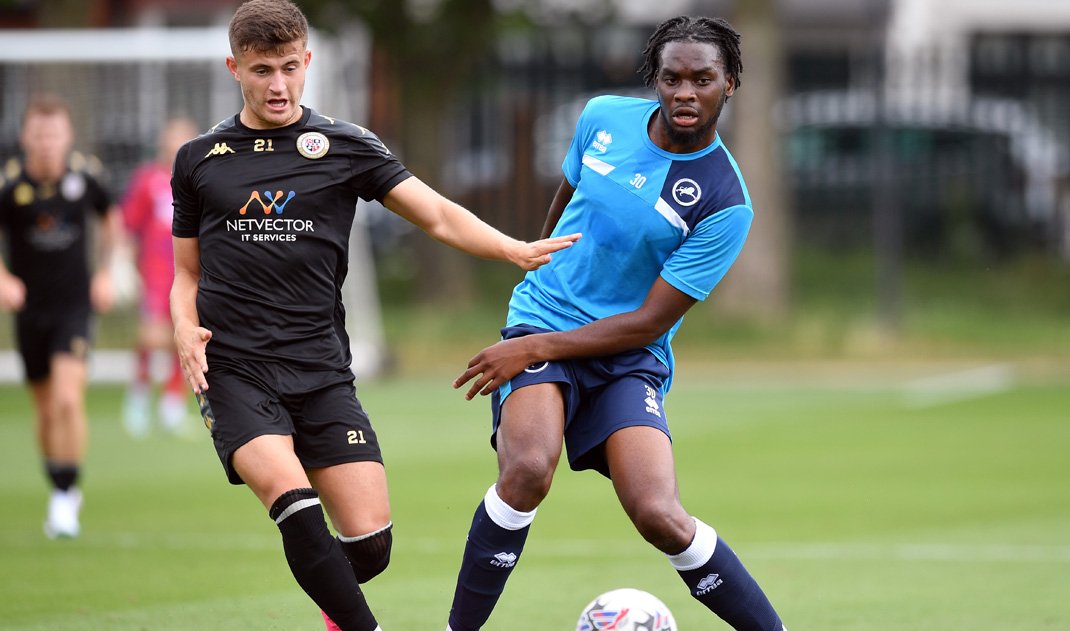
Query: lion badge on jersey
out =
(313, 145)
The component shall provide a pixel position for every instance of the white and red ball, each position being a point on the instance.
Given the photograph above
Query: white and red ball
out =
(626, 609)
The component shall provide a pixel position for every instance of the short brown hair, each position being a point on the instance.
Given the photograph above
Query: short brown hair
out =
(46, 105)
(266, 26)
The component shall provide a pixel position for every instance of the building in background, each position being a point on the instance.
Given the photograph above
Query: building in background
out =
(907, 127)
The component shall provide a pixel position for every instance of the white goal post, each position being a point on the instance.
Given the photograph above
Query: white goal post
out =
(123, 83)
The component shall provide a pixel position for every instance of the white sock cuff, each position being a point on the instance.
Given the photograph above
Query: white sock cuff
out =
(296, 506)
(700, 550)
(504, 515)
(343, 539)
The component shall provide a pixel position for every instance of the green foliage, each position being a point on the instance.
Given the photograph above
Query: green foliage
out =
(1016, 309)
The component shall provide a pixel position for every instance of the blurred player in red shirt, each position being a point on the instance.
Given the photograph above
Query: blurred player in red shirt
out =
(147, 214)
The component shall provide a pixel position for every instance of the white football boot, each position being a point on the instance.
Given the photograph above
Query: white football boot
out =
(63, 509)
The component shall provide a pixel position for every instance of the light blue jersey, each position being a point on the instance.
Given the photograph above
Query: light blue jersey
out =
(644, 212)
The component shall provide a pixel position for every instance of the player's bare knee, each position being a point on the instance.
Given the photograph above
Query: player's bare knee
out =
(66, 405)
(369, 554)
(665, 526)
(524, 484)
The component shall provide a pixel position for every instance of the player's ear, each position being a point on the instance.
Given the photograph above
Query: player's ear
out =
(730, 87)
(232, 66)
(308, 57)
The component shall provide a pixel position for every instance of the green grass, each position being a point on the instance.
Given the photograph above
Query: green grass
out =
(859, 505)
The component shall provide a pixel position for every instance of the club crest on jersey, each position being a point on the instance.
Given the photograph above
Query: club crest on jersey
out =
(72, 187)
(686, 192)
(313, 145)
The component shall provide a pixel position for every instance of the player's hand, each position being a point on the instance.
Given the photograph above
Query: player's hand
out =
(530, 256)
(12, 293)
(102, 291)
(495, 365)
(190, 343)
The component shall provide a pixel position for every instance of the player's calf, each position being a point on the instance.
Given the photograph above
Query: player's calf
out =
(368, 554)
(718, 580)
(317, 561)
(495, 541)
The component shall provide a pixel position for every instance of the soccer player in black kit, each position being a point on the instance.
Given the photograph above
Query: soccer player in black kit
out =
(47, 201)
(264, 203)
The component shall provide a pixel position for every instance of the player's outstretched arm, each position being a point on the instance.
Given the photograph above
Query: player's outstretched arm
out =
(191, 339)
(455, 226)
(664, 306)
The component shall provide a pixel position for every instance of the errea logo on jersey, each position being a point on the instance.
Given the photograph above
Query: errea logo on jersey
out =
(219, 149)
(602, 140)
(269, 228)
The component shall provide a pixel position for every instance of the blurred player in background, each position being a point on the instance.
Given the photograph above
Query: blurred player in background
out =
(264, 206)
(147, 214)
(46, 202)
(585, 356)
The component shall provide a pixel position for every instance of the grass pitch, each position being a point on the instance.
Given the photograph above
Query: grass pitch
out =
(863, 498)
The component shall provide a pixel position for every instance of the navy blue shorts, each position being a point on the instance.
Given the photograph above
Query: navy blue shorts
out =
(602, 395)
(319, 408)
(41, 335)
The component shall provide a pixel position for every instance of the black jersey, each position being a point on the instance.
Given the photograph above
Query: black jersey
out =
(273, 210)
(47, 226)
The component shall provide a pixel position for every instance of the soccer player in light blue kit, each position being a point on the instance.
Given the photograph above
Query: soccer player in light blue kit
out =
(585, 357)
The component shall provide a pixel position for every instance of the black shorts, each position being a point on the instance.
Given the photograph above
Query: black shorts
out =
(247, 398)
(41, 335)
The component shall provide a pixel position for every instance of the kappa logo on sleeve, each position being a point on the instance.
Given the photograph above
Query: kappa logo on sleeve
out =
(220, 148)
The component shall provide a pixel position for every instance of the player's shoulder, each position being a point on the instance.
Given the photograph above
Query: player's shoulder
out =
(343, 132)
(213, 141)
(86, 164)
(612, 104)
(10, 173)
(228, 124)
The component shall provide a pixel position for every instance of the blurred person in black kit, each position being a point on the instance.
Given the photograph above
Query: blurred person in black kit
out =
(47, 199)
(264, 204)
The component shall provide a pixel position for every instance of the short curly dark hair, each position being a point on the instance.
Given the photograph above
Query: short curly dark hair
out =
(685, 28)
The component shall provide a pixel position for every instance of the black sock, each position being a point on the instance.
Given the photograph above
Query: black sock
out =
(368, 554)
(62, 475)
(317, 561)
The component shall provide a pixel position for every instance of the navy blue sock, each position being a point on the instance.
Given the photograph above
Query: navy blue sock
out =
(718, 580)
(318, 562)
(495, 542)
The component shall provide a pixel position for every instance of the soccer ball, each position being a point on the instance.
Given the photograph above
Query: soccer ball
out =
(626, 610)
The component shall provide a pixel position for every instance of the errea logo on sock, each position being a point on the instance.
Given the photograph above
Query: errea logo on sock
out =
(504, 560)
(708, 584)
